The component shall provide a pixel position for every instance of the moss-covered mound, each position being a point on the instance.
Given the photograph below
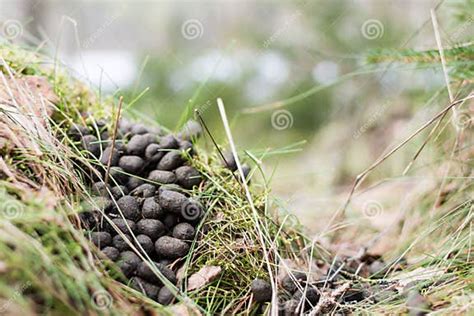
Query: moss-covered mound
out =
(101, 215)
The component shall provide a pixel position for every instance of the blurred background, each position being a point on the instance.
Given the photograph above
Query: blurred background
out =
(295, 77)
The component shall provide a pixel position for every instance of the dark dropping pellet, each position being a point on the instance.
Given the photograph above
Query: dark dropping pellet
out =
(119, 191)
(311, 296)
(153, 228)
(170, 247)
(101, 124)
(137, 145)
(187, 177)
(165, 296)
(111, 253)
(88, 220)
(146, 243)
(145, 272)
(144, 287)
(99, 188)
(76, 132)
(91, 144)
(129, 207)
(124, 226)
(289, 284)
(151, 208)
(186, 146)
(134, 182)
(261, 290)
(183, 231)
(290, 308)
(165, 261)
(151, 150)
(162, 177)
(118, 175)
(170, 161)
(169, 142)
(101, 239)
(153, 154)
(246, 170)
(145, 190)
(124, 126)
(113, 155)
(128, 262)
(230, 161)
(104, 136)
(131, 164)
(170, 220)
(121, 243)
(119, 145)
(170, 187)
(369, 258)
(138, 129)
(151, 138)
(172, 201)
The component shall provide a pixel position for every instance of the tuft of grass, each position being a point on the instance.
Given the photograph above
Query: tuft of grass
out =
(228, 239)
(48, 265)
(54, 265)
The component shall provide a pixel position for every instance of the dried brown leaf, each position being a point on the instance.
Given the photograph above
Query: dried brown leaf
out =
(204, 276)
(183, 310)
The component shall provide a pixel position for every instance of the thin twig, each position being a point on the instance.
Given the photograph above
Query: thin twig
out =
(114, 137)
(443, 64)
(425, 142)
(455, 114)
(201, 119)
(360, 177)
(220, 104)
(327, 301)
